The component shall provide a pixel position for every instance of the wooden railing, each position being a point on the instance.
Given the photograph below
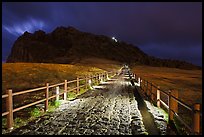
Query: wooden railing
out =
(89, 80)
(170, 103)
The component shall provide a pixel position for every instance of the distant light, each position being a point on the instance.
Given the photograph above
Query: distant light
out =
(114, 39)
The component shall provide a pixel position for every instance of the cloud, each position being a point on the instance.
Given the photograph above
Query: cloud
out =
(191, 53)
(29, 25)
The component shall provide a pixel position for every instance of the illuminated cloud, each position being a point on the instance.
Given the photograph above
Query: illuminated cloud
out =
(30, 25)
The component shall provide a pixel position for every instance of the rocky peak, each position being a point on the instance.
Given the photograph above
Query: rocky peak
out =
(39, 35)
(67, 44)
(39, 32)
(65, 30)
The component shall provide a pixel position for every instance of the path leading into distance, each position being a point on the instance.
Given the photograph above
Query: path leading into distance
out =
(109, 109)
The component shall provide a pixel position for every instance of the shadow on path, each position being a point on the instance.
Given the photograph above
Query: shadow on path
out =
(148, 119)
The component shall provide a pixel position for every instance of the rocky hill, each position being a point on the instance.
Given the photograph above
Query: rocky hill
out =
(67, 45)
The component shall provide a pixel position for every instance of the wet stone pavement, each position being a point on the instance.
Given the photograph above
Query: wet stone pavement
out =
(108, 109)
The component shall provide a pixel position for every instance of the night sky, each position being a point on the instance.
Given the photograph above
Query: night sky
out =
(170, 30)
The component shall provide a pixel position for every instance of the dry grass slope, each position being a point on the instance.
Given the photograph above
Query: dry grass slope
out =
(20, 76)
(187, 82)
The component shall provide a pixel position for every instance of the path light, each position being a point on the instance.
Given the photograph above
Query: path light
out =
(89, 82)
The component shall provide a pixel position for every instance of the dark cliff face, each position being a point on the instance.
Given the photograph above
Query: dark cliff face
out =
(67, 45)
(64, 45)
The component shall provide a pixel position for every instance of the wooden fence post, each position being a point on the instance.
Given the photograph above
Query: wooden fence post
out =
(57, 93)
(99, 78)
(147, 90)
(173, 104)
(102, 77)
(105, 76)
(151, 93)
(96, 79)
(89, 81)
(158, 97)
(139, 82)
(65, 89)
(77, 85)
(46, 96)
(86, 82)
(196, 118)
(93, 80)
(9, 108)
(144, 85)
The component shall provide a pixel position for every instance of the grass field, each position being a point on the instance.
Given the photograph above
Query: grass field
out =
(21, 76)
(187, 82)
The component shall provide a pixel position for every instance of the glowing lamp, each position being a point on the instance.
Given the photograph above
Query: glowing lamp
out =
(113, 38)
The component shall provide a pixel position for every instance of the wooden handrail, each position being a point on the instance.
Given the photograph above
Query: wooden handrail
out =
(5, 113)
(71, 81)
(4, 96)
(27, 91)
(55, 85)
(28, 105)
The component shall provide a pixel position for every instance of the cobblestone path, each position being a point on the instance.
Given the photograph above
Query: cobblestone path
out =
(109, 109)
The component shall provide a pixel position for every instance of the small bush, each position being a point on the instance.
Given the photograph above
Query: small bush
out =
(18, 122)
(35, 112)
(71, 95)
(82, 82)
(89, 87)
(57, 103)
(82, 90)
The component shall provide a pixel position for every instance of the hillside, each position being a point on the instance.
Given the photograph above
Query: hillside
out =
(187, 82)
(67, 45)
(22, 76)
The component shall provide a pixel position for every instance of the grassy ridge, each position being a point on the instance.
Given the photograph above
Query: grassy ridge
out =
(20, 76)
(187, 82)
